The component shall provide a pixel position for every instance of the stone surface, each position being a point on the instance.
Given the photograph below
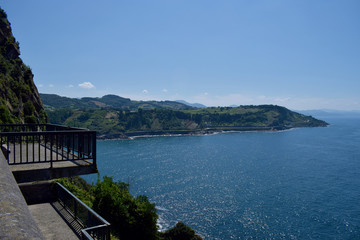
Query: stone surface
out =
(16, 222)
(52, 226)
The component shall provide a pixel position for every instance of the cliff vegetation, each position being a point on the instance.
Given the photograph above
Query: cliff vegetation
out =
(20, 101)
(130, 217)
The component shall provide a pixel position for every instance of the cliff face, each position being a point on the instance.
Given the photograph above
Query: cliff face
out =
(20, 101)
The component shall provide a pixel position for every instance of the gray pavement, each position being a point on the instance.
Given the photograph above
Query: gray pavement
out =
(52, 226)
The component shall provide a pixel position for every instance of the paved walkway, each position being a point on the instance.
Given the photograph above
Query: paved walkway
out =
(52, 226)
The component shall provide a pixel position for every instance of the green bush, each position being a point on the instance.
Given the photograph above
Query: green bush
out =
(180, 232)
(5, 117)
(29, 108)
(131, 218)
(43, 117)
(79, 187)
(30, 119)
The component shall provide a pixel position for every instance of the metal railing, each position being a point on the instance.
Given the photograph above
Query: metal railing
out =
(86, 222)
(35, 143)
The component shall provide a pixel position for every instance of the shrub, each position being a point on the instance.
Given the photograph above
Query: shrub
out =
(5, 117)
(30, 119)
(43, 117)
(29, 108)
(131, 218)
(180, 232)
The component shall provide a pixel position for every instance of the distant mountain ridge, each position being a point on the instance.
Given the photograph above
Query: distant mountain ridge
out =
(54, 101)
(195, 105)
(331, 113)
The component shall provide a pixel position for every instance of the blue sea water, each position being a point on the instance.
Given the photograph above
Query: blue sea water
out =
(297, 184)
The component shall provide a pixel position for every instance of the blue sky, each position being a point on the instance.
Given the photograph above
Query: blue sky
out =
(298, 54)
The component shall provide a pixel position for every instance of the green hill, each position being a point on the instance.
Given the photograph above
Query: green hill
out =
(53, 101)
(115, 123)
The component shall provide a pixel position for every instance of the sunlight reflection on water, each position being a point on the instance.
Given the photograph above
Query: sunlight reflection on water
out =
(296, 184)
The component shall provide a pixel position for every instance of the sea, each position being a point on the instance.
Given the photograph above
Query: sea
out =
(302, 183)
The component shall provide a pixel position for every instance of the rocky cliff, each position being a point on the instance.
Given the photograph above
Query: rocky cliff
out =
(20, 101)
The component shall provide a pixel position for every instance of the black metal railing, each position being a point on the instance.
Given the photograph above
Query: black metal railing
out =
(86, 222)
(36, 143)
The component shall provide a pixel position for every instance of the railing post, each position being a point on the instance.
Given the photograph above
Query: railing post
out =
(14, 144)
(51, 151)
(73, 146)
(94, 148)
(20, 148)
(27, 148)
(108, 233)
(7, 147)
(45, 146)
(39, 143)
(75, 208)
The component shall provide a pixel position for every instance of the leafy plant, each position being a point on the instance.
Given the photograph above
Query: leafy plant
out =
(132, 218)
(180, 232)
(29, 108)
(5, 116)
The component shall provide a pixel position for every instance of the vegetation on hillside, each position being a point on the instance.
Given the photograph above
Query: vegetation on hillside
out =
(116, 123)
(19, 99)
(53, 101)
(130, 217)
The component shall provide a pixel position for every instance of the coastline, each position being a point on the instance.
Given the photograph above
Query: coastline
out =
(178, 133)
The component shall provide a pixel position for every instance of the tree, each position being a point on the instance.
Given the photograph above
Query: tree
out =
(29, 108)
(180, 232)
(131, 218)
(5, 117)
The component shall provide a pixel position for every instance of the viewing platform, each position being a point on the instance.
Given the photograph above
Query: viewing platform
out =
(45, 151)
(31, 208)
(61, 215)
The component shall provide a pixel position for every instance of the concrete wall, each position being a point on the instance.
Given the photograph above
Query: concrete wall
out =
(38, 192)
(16, 221)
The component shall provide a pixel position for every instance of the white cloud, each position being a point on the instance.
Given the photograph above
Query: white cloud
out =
(86, 85)
(51, 85)
(40, 85)
(70, 86)
(281, 100)
(145, 91)
(165, 90)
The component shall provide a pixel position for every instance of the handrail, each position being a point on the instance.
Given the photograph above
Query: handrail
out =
(35, 143)
(92, 225)
(97, 232)
(36, 127)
